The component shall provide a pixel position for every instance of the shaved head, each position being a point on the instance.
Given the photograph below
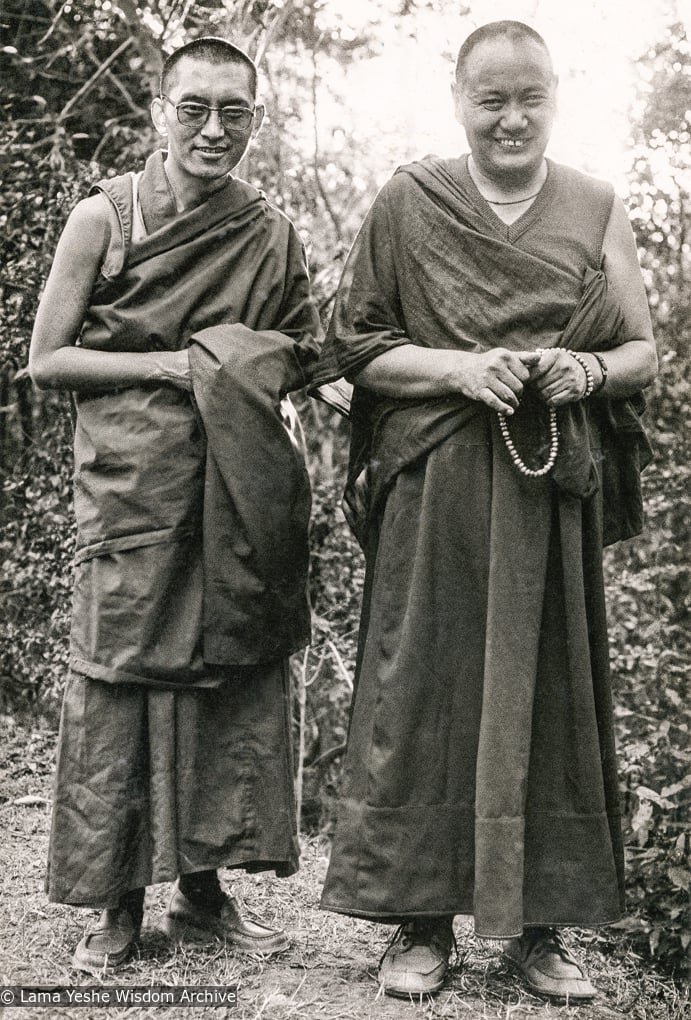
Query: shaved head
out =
(211, 50)
(513, 30)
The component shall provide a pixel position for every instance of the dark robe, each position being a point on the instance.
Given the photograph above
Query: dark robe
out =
(480, 773)
(190, 591)
(153, 602)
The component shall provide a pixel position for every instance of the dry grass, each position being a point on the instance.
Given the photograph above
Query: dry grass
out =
(329, 972)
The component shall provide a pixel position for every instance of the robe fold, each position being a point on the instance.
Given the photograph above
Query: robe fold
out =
(480, 776)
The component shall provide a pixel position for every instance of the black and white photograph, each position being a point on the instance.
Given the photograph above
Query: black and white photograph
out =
(344, 509)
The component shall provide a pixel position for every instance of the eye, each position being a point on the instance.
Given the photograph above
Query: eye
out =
(235, 115)
(534, 99)
(492, 104)
(193, 109)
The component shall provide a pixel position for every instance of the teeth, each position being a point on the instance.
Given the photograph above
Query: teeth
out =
(512, 143)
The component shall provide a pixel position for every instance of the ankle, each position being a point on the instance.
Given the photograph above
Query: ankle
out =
(203, 889)
(133, 903)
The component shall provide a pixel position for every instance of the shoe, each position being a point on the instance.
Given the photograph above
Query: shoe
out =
(548, 965)
(110, 943)
(186, 921)
(417, 958)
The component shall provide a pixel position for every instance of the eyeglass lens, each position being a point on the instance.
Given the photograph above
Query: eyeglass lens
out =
(233, 118)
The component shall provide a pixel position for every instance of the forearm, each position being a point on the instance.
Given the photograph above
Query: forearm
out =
(411, 371)
(79, 369)
(495, 377)
(630, 367)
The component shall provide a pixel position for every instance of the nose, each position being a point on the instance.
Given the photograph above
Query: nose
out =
(515, 118)
(214, 126)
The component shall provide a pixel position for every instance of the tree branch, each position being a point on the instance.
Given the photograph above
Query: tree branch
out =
(88, 85)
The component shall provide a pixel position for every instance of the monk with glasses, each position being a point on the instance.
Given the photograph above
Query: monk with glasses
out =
(178, 315)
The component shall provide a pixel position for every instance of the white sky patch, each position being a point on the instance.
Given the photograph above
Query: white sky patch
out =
(402, 96)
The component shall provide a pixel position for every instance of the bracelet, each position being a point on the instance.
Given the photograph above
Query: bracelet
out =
(589, 378)
(603, 368)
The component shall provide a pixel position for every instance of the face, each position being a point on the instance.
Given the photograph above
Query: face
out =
(506, 102)
(211, 150)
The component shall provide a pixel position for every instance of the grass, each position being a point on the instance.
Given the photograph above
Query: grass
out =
(330, 971)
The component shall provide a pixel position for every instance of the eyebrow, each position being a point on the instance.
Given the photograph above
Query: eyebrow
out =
(233, 101)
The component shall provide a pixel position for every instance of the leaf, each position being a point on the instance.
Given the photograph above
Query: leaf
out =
(30, 801)
(640, 823)
(680, 877)
(644, 793)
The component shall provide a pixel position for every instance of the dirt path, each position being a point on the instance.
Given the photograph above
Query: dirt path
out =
(328, 973)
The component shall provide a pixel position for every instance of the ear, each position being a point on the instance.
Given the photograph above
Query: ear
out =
(158, 116)
(259, 112)
(456, 96)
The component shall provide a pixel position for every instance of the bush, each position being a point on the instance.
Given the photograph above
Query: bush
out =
(648, 593)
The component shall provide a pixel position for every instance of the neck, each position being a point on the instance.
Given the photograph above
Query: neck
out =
(189, 192)
(507, 190)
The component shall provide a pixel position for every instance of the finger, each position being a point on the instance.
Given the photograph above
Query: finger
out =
(495, 402)
(560, 397)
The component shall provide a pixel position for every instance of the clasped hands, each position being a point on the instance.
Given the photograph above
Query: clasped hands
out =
(497, 377)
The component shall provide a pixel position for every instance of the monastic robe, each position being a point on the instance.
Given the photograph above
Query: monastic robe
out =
(192, 511)
(190, 591)
(480, 771)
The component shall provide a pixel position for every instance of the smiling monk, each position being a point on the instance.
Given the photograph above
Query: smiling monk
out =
(493, 319)
(178, 314)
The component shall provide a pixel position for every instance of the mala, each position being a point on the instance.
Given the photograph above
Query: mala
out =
(515, 455)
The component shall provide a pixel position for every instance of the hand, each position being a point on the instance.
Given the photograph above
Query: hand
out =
(558, 378)
(497, 377)
(174, 367)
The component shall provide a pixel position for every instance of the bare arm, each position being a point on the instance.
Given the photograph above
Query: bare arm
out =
(495, 377)
(54, 360)
(633, 364)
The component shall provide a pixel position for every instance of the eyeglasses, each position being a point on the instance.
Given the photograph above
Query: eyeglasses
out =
(193, 114)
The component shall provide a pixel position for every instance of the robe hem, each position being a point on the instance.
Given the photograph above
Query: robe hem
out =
(378, 918)
(283, 868)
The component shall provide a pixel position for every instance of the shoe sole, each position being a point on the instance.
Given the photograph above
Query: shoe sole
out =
(108, 962)
(559, 997)
(400, 993)
(182, 932)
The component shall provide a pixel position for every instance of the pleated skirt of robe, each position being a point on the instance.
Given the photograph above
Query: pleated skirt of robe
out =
(480, 774)
(151, 784)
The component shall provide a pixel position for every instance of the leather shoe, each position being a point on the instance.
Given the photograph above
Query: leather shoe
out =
(548, 965)
(417, 958)
(109, 944)
(187, 921)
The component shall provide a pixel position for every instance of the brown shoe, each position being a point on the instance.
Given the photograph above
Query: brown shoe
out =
(187, 921)
(110, 943)
(548, 965)
(417, 958)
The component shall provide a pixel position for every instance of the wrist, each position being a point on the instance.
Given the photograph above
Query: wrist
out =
(589, 376)
(599, 370)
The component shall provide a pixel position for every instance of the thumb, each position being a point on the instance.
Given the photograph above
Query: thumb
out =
(529, 358)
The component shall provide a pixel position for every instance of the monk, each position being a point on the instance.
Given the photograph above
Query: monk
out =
(178, 315)
(493, 319)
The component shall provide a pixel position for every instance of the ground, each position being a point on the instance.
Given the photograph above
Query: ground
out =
(330, 971)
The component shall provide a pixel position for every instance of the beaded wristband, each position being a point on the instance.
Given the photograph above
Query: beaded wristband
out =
(589, 378)
(603, 368)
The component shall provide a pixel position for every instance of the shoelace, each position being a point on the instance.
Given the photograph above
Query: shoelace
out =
(555, 940)
(419, 933)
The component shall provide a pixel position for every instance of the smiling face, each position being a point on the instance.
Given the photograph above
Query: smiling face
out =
(506, 101)
(197, 156)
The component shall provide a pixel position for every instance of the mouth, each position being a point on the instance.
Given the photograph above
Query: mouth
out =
(512, 143)
(211, 150)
